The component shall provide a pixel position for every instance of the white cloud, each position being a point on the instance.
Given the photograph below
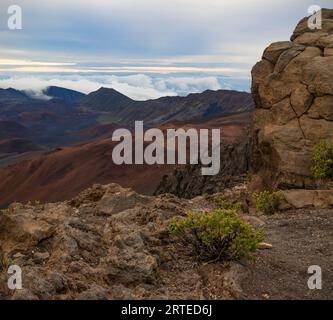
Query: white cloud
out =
(15, 62)
(138, 86)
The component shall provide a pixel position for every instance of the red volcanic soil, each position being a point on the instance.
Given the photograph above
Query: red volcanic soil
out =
(61, 174)
(98, 131)
(231, 126)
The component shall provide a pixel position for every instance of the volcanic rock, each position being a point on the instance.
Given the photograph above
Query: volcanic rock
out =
(293, 91)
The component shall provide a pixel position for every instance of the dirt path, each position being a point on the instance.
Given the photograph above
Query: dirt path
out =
(300, 239)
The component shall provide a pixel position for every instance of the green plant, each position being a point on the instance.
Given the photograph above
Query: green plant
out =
(267, 202)
(219, 235)
(224, 204)
(322, 161)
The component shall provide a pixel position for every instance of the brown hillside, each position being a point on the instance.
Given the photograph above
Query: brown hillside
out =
(61, 174)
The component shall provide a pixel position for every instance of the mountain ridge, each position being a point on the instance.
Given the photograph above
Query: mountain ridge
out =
(65, 94)
(56, 121)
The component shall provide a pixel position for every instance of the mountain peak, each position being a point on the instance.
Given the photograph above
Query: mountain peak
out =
(110, 92)
(12, 94)
(67, 95)
(106, 99)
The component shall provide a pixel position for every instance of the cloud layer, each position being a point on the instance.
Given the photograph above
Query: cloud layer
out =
(138, 86)
(172, 47)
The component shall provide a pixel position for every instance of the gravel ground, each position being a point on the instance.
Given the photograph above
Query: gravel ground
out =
(300, 239)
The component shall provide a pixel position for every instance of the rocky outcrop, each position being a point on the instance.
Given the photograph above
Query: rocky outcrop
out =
(189, 182)
(293, 91)
(107, 243)
(300, 199)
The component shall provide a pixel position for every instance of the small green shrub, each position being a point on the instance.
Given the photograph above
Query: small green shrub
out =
(322, 161)
(222, 203)
(219, 235)
(267, 202)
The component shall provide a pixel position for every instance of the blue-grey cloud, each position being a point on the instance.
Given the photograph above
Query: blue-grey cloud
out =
(130, 33)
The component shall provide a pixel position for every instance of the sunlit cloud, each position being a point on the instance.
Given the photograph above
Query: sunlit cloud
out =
(48, 68)
(12, 62)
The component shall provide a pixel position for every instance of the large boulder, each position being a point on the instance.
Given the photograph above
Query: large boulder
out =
(301, 198)
(293, 90)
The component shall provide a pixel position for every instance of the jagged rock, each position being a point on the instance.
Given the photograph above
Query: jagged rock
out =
(24, 230)
(189, 182)
(107, 243)
(296, 94)
(273, 52)
(287, 56)
(95, 292)
(259, 72)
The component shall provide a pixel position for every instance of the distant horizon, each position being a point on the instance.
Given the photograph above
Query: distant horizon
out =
(39, 95)
(130, 46)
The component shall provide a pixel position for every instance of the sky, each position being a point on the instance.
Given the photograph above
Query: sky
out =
(142, 48)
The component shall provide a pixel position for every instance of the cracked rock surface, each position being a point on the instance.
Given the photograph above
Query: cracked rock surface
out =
(293, 91)
(107, 243)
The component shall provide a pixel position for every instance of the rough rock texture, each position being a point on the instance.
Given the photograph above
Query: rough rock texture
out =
(111, 243)
(300, 198)
(108, 243)
(189, 182)
(293, 91)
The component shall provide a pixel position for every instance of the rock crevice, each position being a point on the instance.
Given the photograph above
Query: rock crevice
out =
(293, 91)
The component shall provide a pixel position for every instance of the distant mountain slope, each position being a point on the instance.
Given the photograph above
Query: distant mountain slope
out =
(12, 95)
(194, 107)
(108, 100)
(61, 174)
(12, 129)
(71, 117)
(99, 131)
(64, 94)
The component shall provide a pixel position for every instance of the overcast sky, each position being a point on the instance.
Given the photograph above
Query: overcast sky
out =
(144, 48)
